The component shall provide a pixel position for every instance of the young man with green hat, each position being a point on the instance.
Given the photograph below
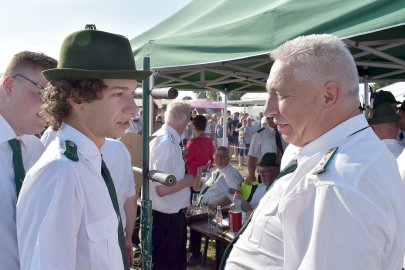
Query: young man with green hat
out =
(67, 213)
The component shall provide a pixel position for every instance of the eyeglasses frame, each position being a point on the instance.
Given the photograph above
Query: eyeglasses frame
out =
(37, 85)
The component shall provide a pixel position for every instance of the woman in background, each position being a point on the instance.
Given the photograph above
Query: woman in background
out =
(199, 149)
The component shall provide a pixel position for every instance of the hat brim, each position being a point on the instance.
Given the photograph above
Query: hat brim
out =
(58, 74)
(384, 119)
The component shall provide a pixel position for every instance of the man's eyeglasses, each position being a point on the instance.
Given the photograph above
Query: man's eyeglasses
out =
(40, 87)
(264, 172)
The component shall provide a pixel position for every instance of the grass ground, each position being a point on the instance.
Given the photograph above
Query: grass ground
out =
(210, 261)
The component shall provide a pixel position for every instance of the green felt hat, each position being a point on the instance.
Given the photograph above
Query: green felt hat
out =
(268, 159)
(382, 97)
(93, 54)
(384, 113)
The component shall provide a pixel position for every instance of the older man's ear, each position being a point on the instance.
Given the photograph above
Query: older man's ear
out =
(332, 92)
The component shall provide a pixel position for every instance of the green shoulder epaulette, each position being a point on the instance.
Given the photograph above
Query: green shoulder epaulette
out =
(260, 130)
(70, 150)
(321, 167)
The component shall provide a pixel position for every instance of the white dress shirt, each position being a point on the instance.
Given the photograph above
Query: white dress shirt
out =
(48, 136)
(349, 217)
(31, 150)
(166, 156)
(258, 195)
(394, 146)
(65, 217)
(263, 141)
(118, 161)
(219, 182)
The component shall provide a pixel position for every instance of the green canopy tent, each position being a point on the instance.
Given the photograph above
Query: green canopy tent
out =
(224, 44)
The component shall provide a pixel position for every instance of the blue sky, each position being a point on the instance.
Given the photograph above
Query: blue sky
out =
(41, 25)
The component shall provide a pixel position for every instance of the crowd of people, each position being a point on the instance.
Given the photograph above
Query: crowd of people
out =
(325, 185)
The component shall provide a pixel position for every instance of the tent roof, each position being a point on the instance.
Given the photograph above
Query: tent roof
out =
(224, 44)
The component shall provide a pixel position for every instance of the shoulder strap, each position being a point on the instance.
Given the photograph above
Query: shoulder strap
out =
(70, 150)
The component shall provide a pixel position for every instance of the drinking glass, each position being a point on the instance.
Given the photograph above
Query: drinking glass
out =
(194, 202)
(211, 217)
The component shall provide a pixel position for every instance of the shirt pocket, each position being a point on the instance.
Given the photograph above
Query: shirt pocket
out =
(103, 243)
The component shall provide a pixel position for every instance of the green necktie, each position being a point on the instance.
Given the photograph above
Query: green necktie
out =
(19, 172)
(113, 195)
(288, 169)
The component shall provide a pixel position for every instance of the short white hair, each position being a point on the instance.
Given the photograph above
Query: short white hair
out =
(320, 57)
(177, 111)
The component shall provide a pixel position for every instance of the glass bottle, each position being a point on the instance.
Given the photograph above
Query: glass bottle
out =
(218, 217)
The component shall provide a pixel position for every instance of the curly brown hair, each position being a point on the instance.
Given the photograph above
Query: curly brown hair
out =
(56, 108)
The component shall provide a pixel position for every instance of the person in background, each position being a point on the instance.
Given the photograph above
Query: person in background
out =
(263, 141)
(136, 121)
(233, 137)
(381, 97)
(268, 169)
(210, 127)
(342, 197)
(169, 230)
(241, 130)
(219, 131)
(22, 85)
(401, 133)
(384, 122)
(216, 188)
(249, 132)
(200, 149)
(188, 133)
(68, 207)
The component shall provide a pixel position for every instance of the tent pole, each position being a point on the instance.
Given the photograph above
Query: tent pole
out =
(146, 203)
(151, 105)
(224, 122)
(366, 93)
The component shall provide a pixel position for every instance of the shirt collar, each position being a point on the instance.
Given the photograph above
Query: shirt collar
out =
(225, 168)
(270, 129)
(7, 133)
(85, 147)
(333, 137)
(166, 129)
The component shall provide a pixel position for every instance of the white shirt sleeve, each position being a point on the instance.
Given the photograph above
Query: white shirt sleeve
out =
(254, 149)
(56, 222)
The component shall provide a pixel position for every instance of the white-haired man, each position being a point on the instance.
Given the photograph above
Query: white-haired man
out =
(169, 230)
(340, 203)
